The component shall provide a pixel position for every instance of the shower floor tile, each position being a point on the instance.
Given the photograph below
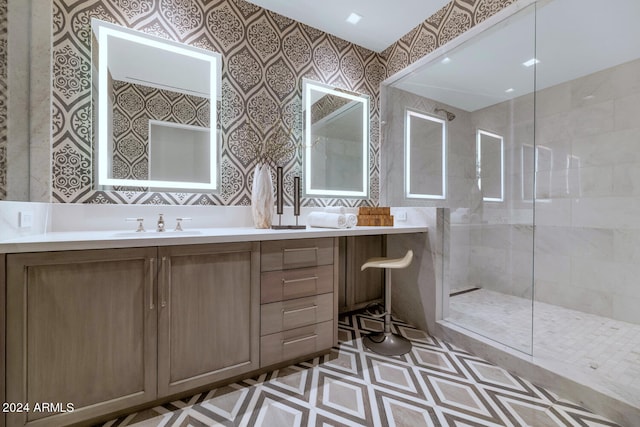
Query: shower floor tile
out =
(436, 384)
(595, 346)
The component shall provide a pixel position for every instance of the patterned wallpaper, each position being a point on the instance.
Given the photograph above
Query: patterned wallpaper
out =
(133, 106)
(265, 56)
(443, 26)
(3, 99)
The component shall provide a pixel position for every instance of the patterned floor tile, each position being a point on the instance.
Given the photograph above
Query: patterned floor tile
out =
(436, 384)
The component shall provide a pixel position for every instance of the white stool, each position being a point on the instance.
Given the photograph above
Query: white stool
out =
(387, 343)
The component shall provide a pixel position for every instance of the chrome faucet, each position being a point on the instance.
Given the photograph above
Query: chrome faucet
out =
(160, 224)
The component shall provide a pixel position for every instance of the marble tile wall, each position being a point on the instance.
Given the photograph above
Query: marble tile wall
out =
(461, 151)
(10, 219)
(587, 236)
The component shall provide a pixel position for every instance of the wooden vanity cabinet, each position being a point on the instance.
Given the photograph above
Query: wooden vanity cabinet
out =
(360, 288)
(107, 330)
(208, 302)
(299, 310)
(81, 330)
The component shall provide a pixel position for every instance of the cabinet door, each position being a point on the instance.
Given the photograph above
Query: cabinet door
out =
(209, 302)
(81, 330)
(362, 287)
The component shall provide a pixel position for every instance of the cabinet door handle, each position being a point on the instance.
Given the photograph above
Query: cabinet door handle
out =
(304, 279)
(151, 276)
(299, 339)
(167, 282)
(298, 310)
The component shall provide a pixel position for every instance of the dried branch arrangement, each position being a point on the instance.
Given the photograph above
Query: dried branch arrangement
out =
(275, 145)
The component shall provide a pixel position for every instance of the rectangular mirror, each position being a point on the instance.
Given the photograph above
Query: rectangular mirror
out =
(153, 119)
(490, 160)
(336, 135)
(425, 156)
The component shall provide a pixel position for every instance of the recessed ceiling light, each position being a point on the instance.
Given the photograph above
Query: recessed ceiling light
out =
(446, 60)
(530, 62)
(354, 18)
(510, 90)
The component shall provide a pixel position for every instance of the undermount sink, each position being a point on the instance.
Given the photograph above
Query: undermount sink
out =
(153, 233)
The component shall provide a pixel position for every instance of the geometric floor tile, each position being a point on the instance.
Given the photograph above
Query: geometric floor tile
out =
(435, 384)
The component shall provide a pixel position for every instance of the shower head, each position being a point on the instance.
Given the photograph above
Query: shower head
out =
(449, 114)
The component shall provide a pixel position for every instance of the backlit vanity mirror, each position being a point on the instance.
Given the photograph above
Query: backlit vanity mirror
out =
(155, 118)
(336, 135)
(425, 156)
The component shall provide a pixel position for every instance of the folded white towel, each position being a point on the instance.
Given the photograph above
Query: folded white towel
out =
(327, 220)
(335, 209)
(352, 220)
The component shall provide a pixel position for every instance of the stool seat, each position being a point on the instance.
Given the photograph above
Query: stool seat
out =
(388, 262)
(386, 342)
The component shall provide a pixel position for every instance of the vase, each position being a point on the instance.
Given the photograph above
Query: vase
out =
(262, 197)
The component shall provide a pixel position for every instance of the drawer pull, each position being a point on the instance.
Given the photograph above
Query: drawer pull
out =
(304, 279)
(299, 339)
(298, 310)
(315, 248)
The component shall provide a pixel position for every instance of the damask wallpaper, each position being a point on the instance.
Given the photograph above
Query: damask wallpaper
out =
(133, 106)
(265, 56)
(3, 99)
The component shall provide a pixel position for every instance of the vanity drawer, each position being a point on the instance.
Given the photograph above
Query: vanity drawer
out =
(287, 254)
(295, 343)
(290, 284)
(285, 315)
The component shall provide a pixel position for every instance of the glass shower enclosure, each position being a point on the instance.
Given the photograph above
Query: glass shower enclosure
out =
(529, 133)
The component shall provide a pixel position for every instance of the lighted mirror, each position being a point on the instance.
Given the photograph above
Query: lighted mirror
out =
(425, 156)
(336, 134)
(490, 160)
(155, 120)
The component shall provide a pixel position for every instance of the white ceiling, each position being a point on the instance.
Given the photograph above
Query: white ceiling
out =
(383, 22)
(571, 38)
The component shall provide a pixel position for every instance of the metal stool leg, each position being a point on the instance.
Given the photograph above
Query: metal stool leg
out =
(387, 343)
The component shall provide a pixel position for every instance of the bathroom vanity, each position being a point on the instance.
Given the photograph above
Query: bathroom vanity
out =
(102, 324)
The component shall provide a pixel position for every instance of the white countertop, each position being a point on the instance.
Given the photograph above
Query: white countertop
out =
(83, 240)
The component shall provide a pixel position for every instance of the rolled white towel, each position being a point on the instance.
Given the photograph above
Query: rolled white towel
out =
(335, 209)
(327, 220)
(352, 220)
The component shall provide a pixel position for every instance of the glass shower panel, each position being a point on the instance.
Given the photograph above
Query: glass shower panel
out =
(491, 234)
(587, 261)
(482, 91)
